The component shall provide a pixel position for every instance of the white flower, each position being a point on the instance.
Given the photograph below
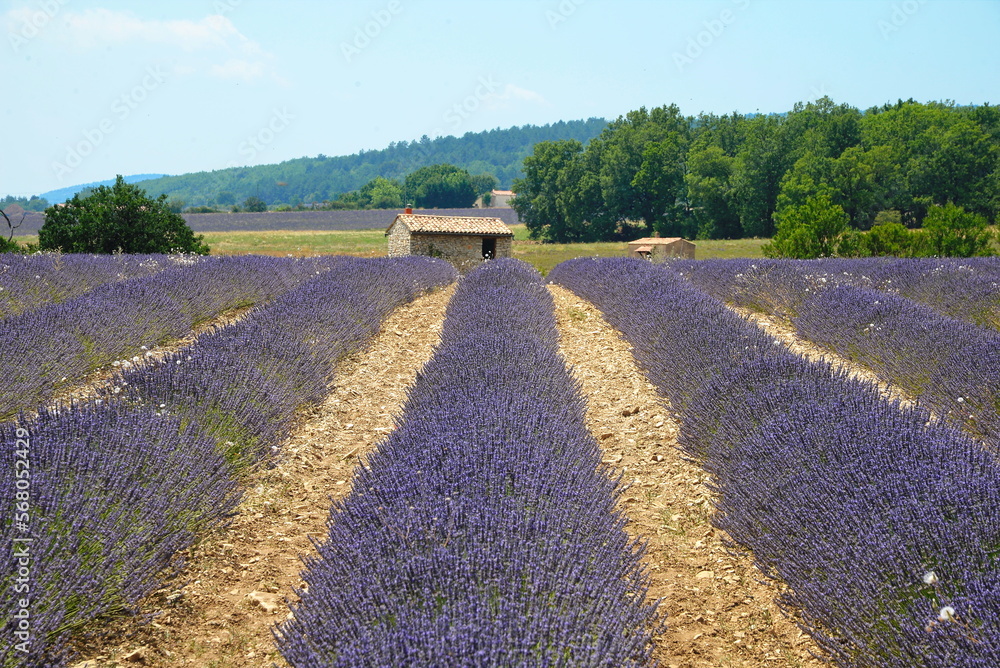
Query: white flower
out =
(947, 614)
(116, 363)
(961, 400)
(143, 348)
(163, 405)
(931, 578)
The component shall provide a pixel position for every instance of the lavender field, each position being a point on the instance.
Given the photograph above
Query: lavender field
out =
(486, 528)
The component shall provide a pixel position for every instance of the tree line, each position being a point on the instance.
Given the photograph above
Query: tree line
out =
(311, 180)
(734, 176)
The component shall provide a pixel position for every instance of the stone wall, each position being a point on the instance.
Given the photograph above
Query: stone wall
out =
(399, 241)
(505, 247)
(465, 252)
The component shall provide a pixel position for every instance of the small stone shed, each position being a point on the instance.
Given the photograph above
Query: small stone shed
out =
(465, 241)
(652, 248)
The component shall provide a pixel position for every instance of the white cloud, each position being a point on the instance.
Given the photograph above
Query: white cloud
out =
(239, 69)
(214, 38)
(511, 94)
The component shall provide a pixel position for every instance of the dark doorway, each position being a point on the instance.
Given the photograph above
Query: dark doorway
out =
(489, 248)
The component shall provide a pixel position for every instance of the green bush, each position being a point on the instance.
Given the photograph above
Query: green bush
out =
(117, 218)
(808, 230)
(892, 238)
(951, 231)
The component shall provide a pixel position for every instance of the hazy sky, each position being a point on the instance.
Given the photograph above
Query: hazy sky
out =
(92, 88)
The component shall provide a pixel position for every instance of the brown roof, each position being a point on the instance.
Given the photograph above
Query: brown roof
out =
(424, 224)
(644, 249)
(649, 241)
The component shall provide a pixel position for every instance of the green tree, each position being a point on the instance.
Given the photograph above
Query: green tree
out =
(955, 161)
(440, 187)
(951, 231)
(809, 229)
(761, 163)
(710, 192)
(386, 194)
(254, 204)
(484, 183)
(120, 217)
(379, 193)
(540, 195)
(661, 179)
(631, 154)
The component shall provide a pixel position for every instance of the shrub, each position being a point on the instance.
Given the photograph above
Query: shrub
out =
(951, 231)
(117, 218)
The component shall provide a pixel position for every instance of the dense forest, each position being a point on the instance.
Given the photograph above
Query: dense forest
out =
(498, 152)
(732, 176)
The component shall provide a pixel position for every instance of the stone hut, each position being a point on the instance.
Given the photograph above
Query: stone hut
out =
(499, 199)
(465, 241)
(652, 248)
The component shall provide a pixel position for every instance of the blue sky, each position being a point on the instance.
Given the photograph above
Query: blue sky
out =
(92, 88)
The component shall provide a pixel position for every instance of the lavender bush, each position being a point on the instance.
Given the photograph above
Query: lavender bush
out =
(282, 356)
(966, 289)
(117, 487)
(951, 365)
(55, 345)
(483, 532)
(882, 522)
(112, 495)
(30, 281)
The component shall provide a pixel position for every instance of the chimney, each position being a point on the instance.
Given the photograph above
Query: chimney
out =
(408, 210)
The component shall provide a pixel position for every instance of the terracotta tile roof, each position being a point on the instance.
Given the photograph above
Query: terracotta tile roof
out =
(655, 241)
(424, 224)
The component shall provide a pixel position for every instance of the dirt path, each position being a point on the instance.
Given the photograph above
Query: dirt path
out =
(786, 334)
(222, 608)
(720, 612)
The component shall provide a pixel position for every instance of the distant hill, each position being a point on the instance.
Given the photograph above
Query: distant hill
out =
(63, 194)
(499, 152)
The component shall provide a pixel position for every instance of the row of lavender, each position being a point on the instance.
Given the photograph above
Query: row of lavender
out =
(56, 345)
(966, 289)
(952, 365)
(483, 532)
(113, 489)
(882, 522)
(30, 281)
